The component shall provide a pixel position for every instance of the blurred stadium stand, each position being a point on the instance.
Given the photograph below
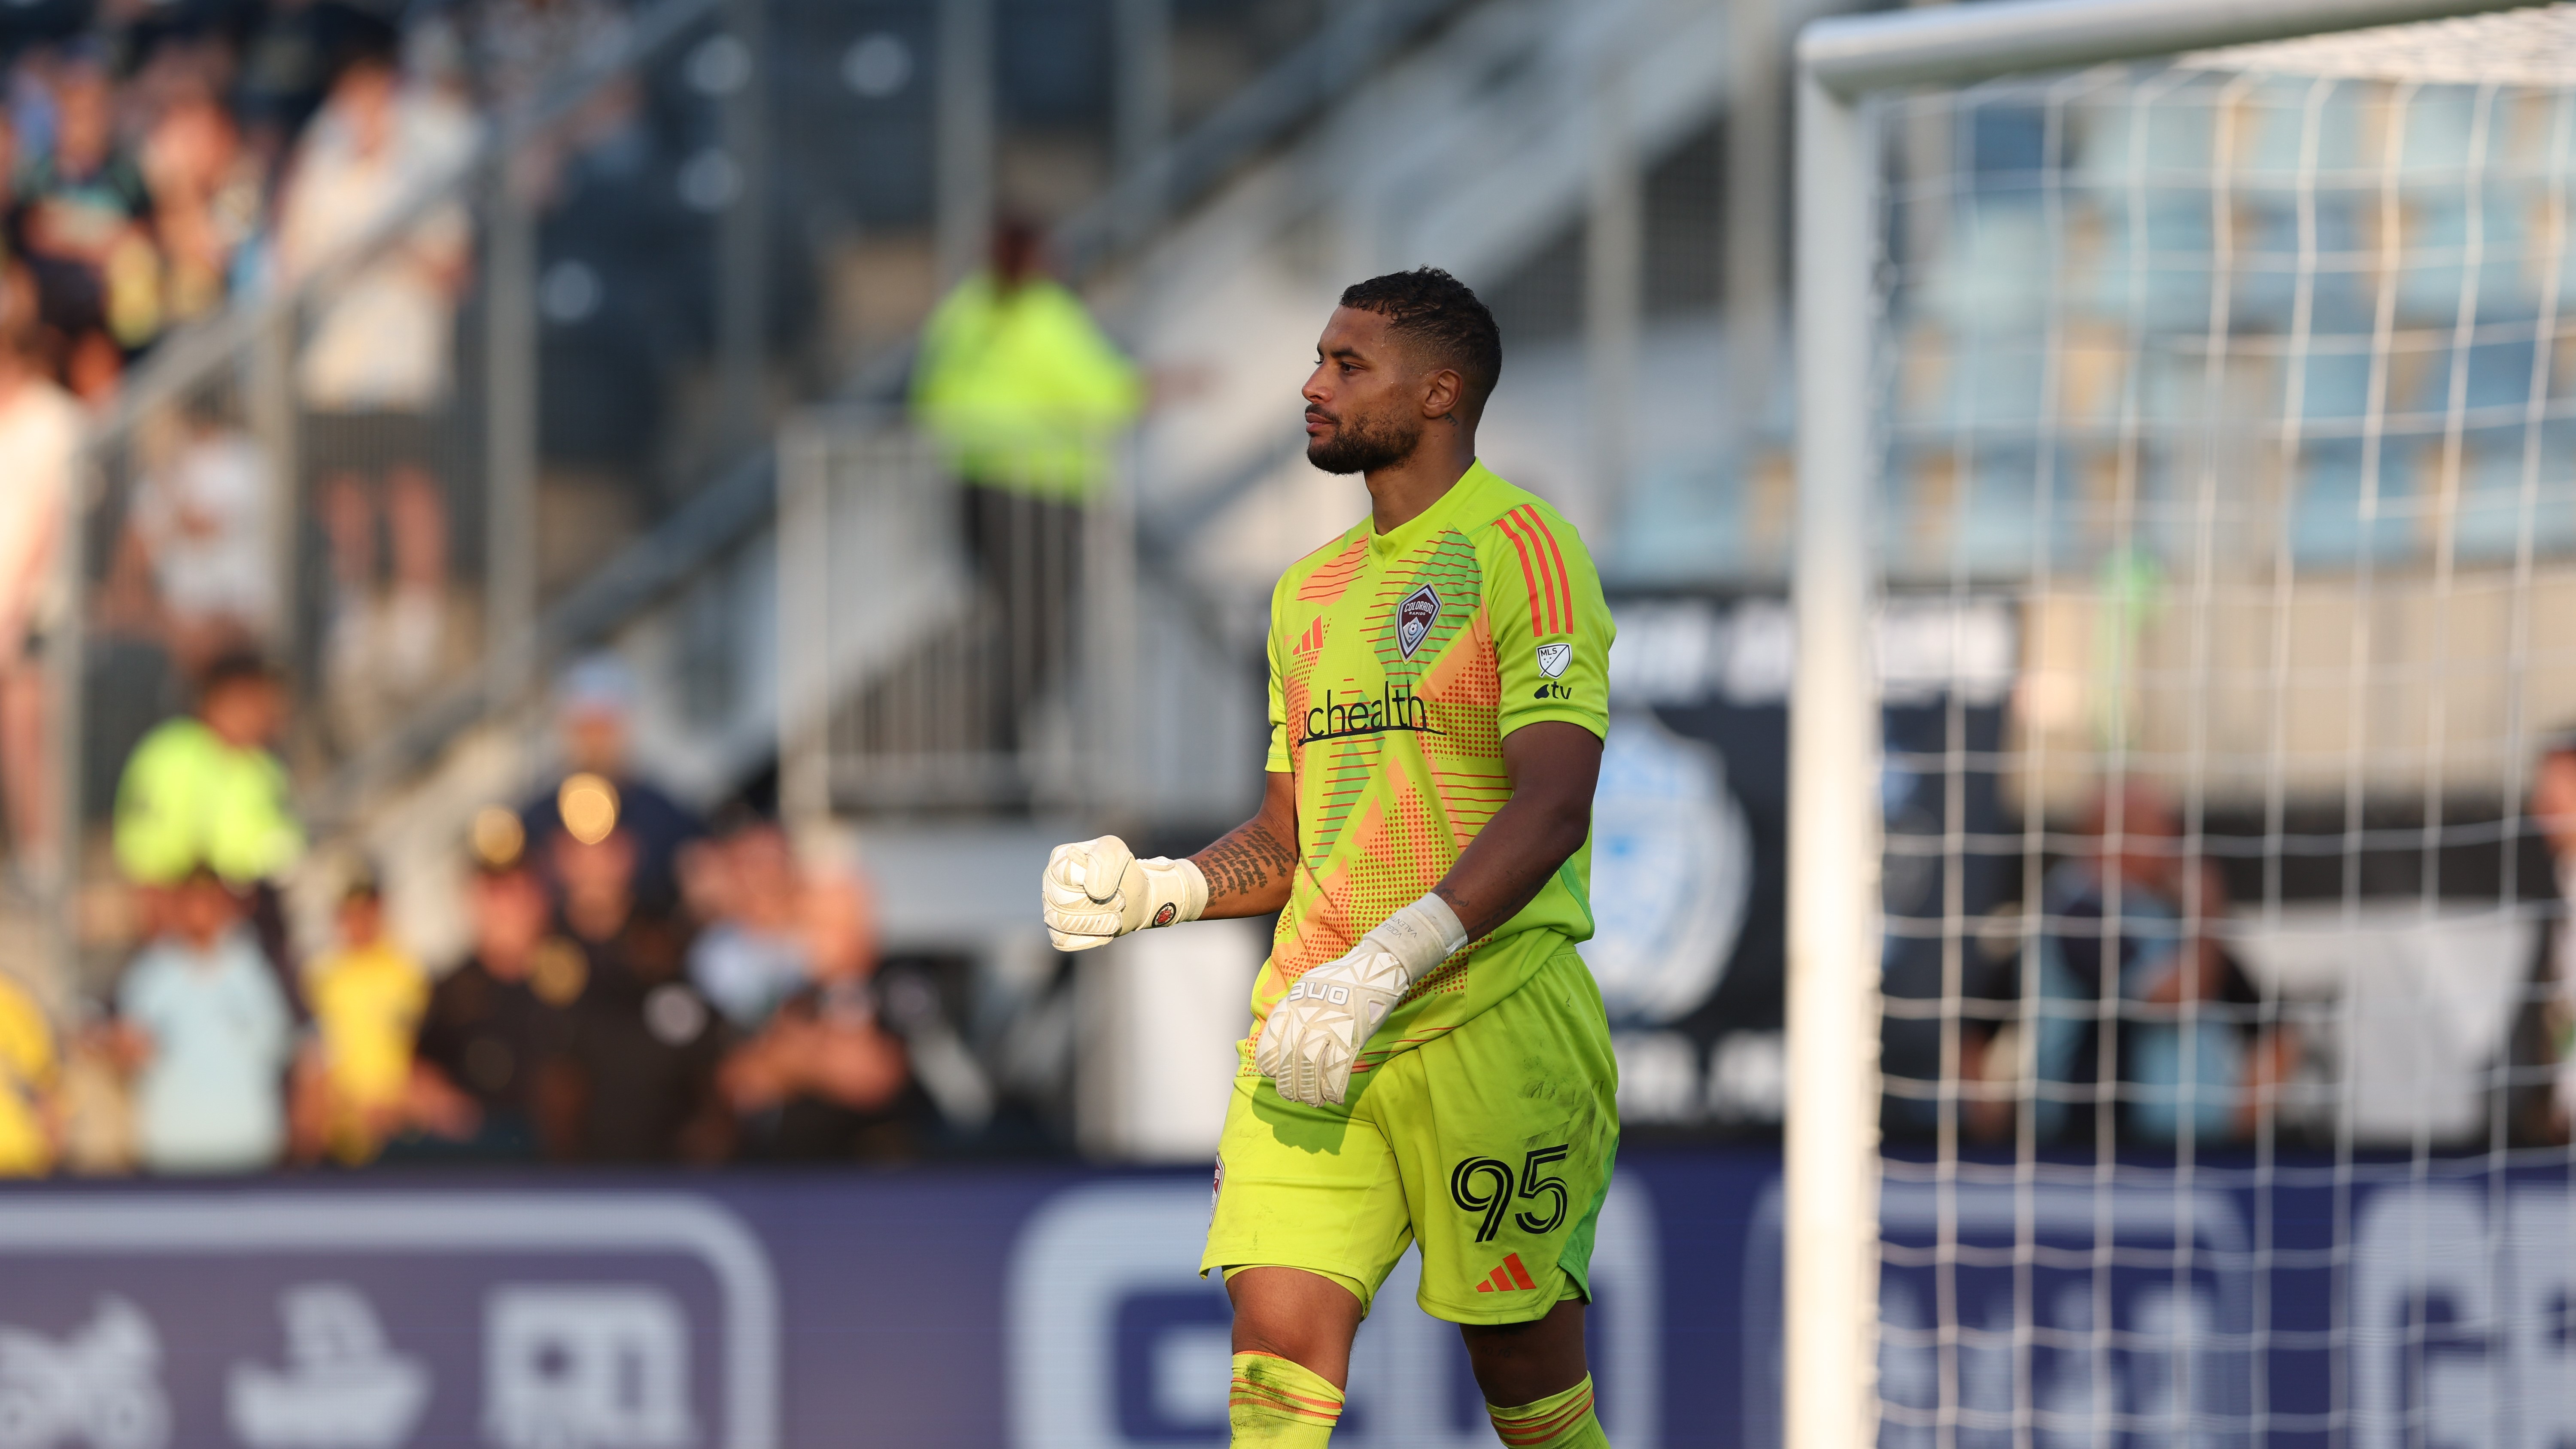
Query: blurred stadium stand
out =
(706, 225)
(704, 239)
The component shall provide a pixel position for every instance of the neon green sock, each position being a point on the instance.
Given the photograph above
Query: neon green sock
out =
(1559, 1421)
(1277, 1404)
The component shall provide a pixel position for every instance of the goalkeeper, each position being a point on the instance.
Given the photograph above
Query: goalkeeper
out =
(1428, 1058)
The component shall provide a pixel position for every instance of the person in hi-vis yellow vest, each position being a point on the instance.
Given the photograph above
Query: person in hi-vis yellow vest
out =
(1026, 398)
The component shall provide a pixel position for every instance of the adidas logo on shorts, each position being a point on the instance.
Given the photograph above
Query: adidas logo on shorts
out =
(1512, 1277)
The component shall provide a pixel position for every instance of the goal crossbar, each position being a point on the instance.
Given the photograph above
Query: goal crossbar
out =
(1854, 55)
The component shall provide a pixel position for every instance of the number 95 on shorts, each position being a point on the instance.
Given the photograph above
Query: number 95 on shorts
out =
(1491, 1145)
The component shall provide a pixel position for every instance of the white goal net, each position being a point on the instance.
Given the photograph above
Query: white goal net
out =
(2223, 990)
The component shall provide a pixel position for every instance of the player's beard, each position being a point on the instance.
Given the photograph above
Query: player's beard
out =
(1354, 447)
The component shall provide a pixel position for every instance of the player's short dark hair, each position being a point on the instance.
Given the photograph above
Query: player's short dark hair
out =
(1435, 310)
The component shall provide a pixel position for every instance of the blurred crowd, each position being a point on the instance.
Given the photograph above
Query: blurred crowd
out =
(159, 160)
(162, 156)
(642, 986)
(2124, 1013)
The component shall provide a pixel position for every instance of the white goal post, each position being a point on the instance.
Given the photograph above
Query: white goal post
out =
(1833, 1151)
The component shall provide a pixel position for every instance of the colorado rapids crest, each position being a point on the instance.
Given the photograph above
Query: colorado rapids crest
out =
(1414, 618)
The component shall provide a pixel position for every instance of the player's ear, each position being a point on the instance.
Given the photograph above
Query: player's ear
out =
(1443, 389)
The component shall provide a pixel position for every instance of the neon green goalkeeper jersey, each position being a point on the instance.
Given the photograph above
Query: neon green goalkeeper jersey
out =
(1398, 662)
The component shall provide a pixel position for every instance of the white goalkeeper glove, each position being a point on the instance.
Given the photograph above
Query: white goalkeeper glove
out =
(1097, 890)
(1316, 1031)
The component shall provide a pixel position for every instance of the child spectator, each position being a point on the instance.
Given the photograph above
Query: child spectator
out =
(367, 998)
(208, 1034)
(29, 1071)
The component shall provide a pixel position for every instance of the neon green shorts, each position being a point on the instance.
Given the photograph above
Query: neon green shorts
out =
(1491, 1145)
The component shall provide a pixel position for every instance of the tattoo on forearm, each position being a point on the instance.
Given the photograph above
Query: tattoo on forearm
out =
(1244, 862)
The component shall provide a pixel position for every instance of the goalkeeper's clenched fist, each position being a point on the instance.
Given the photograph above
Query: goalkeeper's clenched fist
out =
(1097, 890)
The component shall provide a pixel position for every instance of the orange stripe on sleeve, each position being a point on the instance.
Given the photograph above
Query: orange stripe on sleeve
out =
(1564, 580)
(1549, 579)
(1529, 572)
(1550, 570)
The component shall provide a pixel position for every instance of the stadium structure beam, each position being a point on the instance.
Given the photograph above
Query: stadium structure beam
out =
(1831, 1172)
(1853, 55)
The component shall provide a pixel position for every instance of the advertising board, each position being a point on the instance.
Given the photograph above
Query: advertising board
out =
(1050, 1308)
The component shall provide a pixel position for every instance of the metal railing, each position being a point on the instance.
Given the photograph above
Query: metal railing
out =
(946, 645)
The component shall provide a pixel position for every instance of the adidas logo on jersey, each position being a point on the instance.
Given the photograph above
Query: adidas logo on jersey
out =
(1512, 1277)
(1312, 640)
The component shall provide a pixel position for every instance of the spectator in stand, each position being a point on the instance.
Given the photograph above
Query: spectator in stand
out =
(495, 1030)
(199, 527)
(203, 790)
(286, 64)
(30, 1071)
(207, 200)
(1020, 386)
(367, 998)
(40, 432)
(2541, 1100)
(208, 1035)
(753, 953)
(2188, 1050)
(1025, 395)
(87, 220)
(594, 715)
(379, 370)
(825, 1080)
(642, 1045)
